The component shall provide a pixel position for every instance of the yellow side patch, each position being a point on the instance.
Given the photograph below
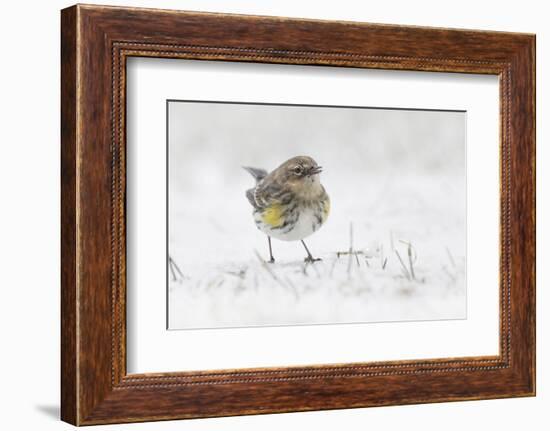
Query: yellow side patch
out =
(326, 209)
(273, 216)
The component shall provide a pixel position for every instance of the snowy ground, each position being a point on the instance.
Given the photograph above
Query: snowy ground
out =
(407, 263)
(396, 177)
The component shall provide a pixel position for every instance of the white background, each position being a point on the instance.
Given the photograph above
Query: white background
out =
(29, 227)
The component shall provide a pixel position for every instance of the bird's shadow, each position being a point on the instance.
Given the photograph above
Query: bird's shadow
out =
(50, 410)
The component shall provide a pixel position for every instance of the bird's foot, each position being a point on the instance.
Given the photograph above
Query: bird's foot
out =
(311, 259)
(272, 260)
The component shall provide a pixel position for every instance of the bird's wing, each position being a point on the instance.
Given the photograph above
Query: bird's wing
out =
(268, 193)
(250, 197)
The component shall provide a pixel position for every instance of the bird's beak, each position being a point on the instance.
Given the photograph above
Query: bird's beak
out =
(315, 170)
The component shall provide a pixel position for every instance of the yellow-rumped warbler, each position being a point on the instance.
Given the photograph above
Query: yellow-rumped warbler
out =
(290, 202)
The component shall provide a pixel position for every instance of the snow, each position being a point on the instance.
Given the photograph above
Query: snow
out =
(397, 199)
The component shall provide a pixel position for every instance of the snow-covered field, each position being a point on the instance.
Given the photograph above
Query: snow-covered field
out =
(397, 204)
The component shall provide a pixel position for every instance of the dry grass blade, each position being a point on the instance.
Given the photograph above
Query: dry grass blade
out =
(174, 278)
(346, 253)
(412, 249)
(451, 259)
(448, 273)
(411, 266)
(404, 268)
(332, 267)
(293, 288)
(350, 251)
(240, 274)
(173, 268)
(268, 269)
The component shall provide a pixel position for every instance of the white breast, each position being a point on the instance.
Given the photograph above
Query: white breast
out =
(306, 224)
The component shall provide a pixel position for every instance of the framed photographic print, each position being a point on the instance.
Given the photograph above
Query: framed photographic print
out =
(398, 167)
(266, 215)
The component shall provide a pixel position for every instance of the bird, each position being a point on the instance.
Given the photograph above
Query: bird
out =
(289, 203)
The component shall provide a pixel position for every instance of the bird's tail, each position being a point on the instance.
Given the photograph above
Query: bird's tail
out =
(258, 174)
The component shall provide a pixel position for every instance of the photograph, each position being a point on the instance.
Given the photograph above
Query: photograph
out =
(283, 214)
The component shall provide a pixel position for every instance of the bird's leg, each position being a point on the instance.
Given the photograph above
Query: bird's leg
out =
(309, 258)
(271, 259)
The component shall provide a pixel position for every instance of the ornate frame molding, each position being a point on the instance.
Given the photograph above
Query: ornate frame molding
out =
(96, 41)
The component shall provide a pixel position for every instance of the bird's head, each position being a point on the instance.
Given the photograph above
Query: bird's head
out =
(301, 174)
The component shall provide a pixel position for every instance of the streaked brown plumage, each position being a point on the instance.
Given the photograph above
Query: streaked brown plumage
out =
(290, 203)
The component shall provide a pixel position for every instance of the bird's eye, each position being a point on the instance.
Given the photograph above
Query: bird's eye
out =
(298, 170)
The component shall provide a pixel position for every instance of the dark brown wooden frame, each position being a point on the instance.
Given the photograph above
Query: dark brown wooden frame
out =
(95, 43)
